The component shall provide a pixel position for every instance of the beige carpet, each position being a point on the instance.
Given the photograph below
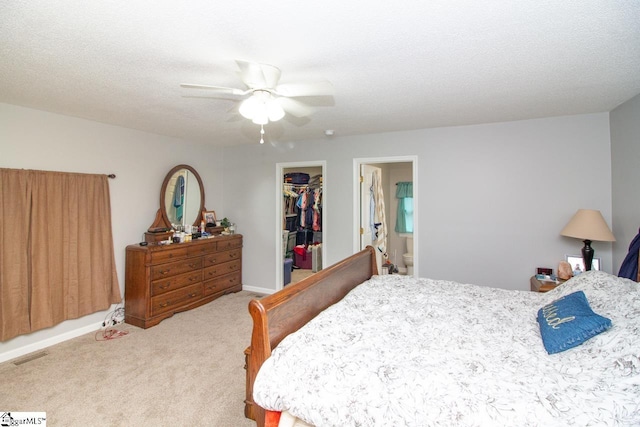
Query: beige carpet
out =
(299, 274)
(188, 370)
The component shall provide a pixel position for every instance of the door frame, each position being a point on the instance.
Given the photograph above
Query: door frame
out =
(280, 167)
(357, 162)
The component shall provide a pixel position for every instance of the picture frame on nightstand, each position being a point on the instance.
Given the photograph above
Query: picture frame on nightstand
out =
(576, 260)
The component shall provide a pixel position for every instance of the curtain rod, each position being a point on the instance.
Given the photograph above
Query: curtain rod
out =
(111, 175)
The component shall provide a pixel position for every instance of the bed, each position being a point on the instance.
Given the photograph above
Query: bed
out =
(331, 351)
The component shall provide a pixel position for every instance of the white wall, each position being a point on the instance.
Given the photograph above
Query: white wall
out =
(31, 139)
(625, 160)
(493, 197)
(504, 190)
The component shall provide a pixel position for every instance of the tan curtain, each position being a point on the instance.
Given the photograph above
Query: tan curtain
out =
(70, 261)
(15, 206)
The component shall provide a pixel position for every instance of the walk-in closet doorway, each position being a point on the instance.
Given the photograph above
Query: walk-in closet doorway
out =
(311, 230)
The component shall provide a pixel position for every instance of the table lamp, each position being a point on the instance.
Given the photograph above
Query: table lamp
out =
(588, 225)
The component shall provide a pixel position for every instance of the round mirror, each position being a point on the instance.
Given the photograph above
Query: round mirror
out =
(182, 197)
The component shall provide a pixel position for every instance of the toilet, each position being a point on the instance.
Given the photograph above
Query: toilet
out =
(408, 257)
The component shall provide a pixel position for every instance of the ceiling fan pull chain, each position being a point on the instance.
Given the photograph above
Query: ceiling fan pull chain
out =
(261, 134)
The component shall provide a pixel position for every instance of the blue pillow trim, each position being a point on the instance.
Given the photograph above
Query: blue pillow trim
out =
(568, 322)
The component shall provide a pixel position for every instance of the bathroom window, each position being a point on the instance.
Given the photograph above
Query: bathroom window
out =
(404, 220)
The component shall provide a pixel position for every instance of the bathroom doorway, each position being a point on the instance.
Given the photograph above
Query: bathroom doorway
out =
(393, 170)
(292, 230)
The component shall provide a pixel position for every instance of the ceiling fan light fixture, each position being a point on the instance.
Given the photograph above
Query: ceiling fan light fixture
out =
(266, 100)
(249, 107)
(261, 108)
(260, 118)
(275, 111)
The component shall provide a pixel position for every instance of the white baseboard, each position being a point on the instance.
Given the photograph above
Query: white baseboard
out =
(48, 342)
(257, 290)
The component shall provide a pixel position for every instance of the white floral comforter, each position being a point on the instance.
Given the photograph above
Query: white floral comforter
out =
(417, 352)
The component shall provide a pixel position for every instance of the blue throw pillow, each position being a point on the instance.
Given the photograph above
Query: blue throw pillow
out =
(568, 322)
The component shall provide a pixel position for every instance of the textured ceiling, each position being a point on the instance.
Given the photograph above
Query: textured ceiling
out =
(416, 64)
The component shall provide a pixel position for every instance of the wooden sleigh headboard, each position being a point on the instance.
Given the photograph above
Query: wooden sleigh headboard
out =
(286, 311)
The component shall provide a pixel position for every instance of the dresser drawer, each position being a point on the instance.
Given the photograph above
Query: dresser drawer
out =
(223, 245)
(175, 282)
(220, 257)
(171, 269)
(173, 254)
(221, 283)
(172, 300)
(202, 248)
(220, 269)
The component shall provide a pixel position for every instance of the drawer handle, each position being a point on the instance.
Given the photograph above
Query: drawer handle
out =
(231, 267)
(193, 279)
(164, 305)
(168, 285)
(170, 255)
(165, 271)
(192, 295)
(193, 265)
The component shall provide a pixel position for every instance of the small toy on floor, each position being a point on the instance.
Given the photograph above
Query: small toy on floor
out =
(391, 268)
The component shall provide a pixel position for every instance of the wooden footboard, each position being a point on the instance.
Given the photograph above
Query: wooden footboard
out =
(286, 311)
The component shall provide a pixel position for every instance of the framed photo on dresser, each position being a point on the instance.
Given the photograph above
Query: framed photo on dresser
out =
(577, 263)
(209, 217)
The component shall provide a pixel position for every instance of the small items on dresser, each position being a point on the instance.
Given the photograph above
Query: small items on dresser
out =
(564, 270)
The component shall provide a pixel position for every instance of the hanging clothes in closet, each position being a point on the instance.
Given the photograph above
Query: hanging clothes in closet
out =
(290, 195)
(309, 224)
(303, 209)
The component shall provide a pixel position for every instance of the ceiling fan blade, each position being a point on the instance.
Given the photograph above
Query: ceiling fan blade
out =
(294, 107)
(251, 74)
(221, 96)
(231, 90)
(271, 75)
(321, 88)
(260, 76)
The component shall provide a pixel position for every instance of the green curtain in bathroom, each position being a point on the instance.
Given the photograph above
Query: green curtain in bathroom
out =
(404, 220)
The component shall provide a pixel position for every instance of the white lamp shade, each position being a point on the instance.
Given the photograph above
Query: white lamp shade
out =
(275, 110)
(261, 108)
(248, 107)
(588, 224)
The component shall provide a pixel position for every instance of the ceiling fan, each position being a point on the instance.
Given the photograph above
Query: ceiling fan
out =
(264, 100)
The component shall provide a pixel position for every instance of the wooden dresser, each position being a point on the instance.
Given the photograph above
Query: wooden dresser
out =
(163, 280)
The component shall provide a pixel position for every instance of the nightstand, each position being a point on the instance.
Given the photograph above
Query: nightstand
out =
(540, 286)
